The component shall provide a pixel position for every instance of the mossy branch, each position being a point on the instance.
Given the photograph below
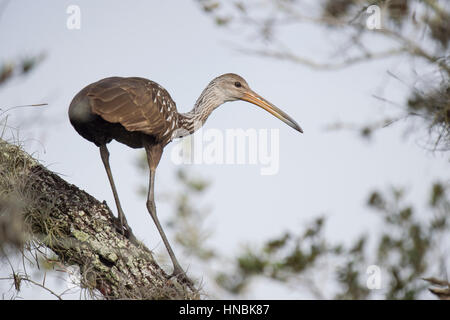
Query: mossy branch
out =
(81, 231)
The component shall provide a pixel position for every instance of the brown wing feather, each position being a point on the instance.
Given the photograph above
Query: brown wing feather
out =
(138, 104)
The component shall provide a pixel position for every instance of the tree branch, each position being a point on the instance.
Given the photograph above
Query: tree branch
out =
(82, 231)
(285, 55)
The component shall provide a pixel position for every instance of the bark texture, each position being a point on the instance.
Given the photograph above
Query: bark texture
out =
(82, 231)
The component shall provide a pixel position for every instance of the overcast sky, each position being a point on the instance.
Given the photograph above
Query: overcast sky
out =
(175, 44)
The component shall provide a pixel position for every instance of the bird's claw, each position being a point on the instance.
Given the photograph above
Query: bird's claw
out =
(182, 277)
(123, 229)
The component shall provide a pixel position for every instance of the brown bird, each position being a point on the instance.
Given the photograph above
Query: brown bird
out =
(141, 114)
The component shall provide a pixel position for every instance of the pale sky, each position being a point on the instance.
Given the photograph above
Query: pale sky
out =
(175, 44)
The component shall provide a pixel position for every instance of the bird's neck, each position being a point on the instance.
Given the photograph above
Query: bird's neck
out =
(209, 100)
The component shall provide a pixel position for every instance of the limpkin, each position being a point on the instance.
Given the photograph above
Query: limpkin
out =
(141, 114)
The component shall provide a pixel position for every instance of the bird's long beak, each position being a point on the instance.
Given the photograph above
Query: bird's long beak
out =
(253, 97)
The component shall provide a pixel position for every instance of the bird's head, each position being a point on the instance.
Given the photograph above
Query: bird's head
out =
(232, 87)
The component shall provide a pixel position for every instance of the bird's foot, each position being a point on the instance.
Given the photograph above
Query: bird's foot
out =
(182, 277)
(122, 228)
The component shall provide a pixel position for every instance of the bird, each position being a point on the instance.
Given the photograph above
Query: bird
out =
(140, 113)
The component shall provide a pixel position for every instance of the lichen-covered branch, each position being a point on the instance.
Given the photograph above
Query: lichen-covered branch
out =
(81, 231)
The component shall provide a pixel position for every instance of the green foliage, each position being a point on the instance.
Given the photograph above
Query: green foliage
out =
(194, 184)
(434, 106)
(437, 194)
(281, 258)
(337, 8)
(10, 69)
(440, 29)
(406, 251)
(404, 246)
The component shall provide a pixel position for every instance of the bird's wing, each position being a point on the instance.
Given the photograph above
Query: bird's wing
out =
(138, 104)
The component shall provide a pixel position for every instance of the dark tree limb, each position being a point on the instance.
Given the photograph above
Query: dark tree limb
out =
(82, 231)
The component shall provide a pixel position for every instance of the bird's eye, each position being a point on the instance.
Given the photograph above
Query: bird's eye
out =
(237, 84)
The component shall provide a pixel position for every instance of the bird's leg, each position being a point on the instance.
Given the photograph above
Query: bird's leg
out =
(153, 156)
(104, 153)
